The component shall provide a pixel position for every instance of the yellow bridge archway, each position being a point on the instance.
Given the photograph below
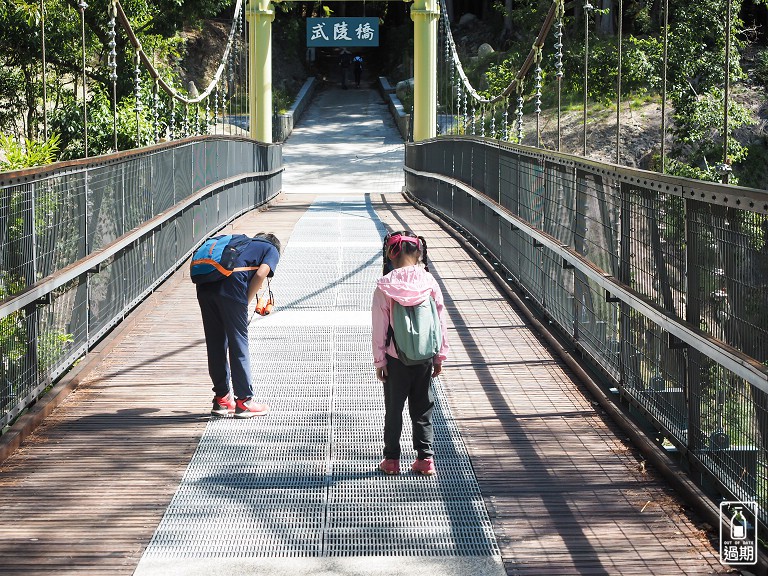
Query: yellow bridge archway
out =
(260, 15)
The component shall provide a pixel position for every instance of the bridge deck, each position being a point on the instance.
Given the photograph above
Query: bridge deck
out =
(564, 493)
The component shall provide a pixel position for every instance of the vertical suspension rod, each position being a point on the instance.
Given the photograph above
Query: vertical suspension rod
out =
(664, 89)
(587, 8)
(82, 5)
(618, 85)
(727, 95)
(45, 78)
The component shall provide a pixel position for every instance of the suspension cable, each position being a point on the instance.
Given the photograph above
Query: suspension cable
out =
(123, 19)
(512, 86)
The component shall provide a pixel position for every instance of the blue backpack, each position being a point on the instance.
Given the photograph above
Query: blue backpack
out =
(215, 259)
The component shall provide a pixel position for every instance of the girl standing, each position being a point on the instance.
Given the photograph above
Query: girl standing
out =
(409, 283)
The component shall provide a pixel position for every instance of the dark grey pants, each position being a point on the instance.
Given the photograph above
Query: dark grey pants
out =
(225, 323)
(410, 383)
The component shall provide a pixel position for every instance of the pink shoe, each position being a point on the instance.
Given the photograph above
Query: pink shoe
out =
(223, 405)
(390, 466)
(247, 408)
(425, 467)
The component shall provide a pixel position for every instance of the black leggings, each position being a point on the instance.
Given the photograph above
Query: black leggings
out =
(411, 383)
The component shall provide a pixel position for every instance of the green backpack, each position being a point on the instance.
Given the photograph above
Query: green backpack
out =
(416, 330)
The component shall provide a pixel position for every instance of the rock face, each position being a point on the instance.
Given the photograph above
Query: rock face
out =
(467, 19)
(404, 88)
(485, 50)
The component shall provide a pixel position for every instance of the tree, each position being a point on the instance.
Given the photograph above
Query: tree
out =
(156, 24)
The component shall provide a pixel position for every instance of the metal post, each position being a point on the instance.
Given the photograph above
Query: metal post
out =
(625, 276)
(424, 14)
(30, 277)
(693, 317)
(260, 14)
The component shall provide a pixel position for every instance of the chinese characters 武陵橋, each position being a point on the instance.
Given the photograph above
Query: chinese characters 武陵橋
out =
(337, 32)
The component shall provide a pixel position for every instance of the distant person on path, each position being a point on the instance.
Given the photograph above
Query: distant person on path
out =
(407, 285)
(224, 308)
(345, 60)
(357, 68)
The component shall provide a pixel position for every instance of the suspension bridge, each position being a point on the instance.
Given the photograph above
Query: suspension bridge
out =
(606, 386)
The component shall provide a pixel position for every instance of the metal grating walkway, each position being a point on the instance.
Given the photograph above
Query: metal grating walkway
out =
(302, 482)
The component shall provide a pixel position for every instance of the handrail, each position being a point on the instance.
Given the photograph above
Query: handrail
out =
(13, 177)
(92, 261)
(737, 362)
(84, 242)
(656, 285)
(729, 195)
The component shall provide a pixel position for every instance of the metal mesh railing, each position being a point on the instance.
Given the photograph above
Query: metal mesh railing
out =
(82, 243)
(661, 282)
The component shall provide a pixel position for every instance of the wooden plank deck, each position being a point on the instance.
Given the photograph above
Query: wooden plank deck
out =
(85, 493)
(565, 493)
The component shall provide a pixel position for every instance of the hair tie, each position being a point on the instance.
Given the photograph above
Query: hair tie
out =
(398, 238)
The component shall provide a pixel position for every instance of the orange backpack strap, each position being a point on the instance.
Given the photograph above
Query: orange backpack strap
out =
(221, 268)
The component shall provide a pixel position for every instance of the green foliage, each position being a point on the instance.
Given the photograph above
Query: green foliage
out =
(525, 14)
(27, 154)
(282, 100)
(68, 121)
(641, 70)
(51, 346)
(761, 67)
(495, 77)
(695, 74)
(639, 13)
(156, 24)
(699, 136)
(753, 171)
(641, 65)
(14, 336)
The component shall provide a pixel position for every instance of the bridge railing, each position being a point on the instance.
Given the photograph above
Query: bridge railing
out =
(82, 243)
(660, 282)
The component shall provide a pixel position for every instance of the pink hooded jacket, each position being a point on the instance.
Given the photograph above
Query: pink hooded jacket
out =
(409, 285)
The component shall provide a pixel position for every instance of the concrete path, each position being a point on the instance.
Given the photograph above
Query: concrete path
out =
(297, 491)
(346, 143)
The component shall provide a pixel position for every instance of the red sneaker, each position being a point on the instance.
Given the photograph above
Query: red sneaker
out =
(223, 405)
(426, 467)
(247, 408)
(390, 466)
